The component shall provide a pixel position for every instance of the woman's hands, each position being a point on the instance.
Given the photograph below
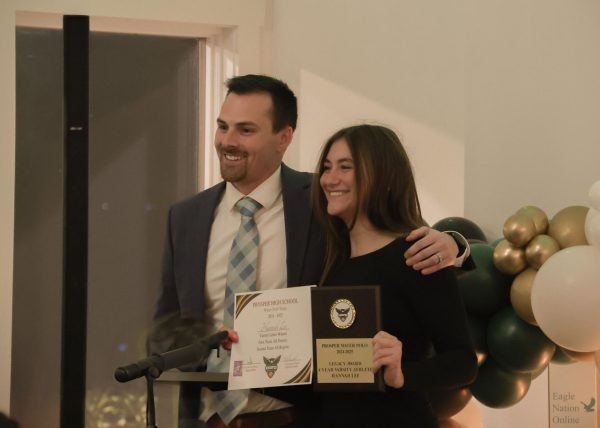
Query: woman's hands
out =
(387, 354)
(431, 251)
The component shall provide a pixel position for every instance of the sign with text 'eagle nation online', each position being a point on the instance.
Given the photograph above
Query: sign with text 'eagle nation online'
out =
(572, 395)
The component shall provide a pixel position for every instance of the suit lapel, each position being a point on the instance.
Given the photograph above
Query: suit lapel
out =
(199, 222)
(297, 213)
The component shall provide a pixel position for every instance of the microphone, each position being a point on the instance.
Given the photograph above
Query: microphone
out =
(157, 363)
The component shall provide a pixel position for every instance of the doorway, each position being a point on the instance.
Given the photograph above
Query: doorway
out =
(144, 146)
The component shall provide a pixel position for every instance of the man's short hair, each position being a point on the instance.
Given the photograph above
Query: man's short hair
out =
(285, 105)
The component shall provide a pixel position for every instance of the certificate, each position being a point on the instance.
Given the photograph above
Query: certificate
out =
(275, 346)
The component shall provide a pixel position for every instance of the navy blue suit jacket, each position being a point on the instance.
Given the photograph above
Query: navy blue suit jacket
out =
(188, 233)
(184, 268)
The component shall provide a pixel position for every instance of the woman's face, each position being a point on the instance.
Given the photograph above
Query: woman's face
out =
(338, 182)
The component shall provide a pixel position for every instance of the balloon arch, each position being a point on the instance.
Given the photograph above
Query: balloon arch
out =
(533, 299)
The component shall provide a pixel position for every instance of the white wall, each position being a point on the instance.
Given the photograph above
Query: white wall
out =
(498, 103)
(395, 62)
(533, 103)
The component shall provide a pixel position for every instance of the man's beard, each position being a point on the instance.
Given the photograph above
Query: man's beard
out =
(233, 174)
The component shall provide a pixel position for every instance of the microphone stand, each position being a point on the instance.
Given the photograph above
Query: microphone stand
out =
(152, 367)
(151, 374)
(150, 413)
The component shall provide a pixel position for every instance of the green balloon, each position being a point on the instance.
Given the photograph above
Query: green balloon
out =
(476, 241)
(464, 226)
(561, 357)
(507, 333)
(485, 290)
(499, 388)
(495, 242)
(448, 403)
(537, 373)
(477, 328)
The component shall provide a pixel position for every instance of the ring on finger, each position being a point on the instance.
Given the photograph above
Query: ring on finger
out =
(440, 259)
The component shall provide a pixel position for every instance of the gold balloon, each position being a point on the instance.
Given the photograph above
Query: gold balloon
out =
(508, 258)
(519, 229)
(539, 217)
(540, 249)
(520, 295)
(568, 226)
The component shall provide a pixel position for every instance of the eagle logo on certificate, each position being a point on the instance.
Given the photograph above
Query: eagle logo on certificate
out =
(271, 365)
(342, 313)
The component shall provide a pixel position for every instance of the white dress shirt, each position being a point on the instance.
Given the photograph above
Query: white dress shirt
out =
(271, 268)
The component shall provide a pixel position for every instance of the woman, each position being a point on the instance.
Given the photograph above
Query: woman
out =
(364, 193)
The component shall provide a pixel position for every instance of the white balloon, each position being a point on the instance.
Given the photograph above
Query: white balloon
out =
(565, 298)
(592, 227)
(594, 195)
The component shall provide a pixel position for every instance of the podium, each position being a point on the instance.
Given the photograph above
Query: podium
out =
(169, 400)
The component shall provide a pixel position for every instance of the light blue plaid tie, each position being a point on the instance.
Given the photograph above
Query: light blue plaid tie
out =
(241, 277)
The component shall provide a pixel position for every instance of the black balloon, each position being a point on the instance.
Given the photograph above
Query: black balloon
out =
(465, 227)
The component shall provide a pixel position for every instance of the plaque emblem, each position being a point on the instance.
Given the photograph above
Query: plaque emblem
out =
(342, 313)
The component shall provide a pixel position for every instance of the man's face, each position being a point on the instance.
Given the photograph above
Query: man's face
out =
(249, 151)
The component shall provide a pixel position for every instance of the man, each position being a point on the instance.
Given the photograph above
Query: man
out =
(255, 127)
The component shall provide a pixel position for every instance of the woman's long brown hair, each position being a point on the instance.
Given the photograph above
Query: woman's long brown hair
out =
(385, 184)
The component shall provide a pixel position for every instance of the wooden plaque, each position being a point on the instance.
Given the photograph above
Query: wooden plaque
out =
(345, 319)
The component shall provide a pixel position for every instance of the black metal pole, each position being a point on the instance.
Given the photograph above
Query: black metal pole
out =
(75, 245)
(150, 412)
